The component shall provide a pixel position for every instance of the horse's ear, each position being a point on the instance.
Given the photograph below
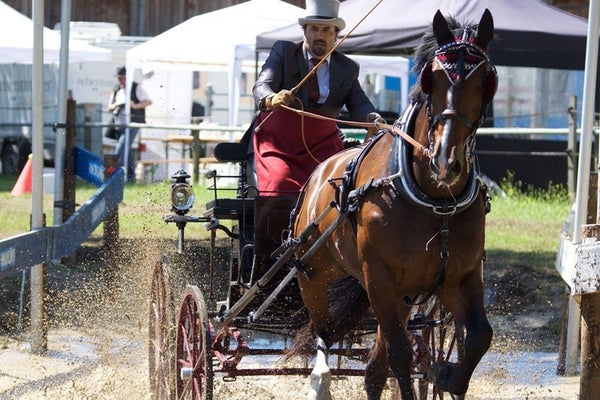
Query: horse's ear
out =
(485, 29)
(442, 32)
(426, 79)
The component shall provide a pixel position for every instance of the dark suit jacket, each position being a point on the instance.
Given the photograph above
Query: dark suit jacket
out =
(286, 66)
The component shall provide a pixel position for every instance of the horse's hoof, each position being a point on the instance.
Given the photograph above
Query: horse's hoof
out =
(445, 376)
(320, 383)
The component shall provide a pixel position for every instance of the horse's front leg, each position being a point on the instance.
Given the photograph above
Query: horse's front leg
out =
(452, 377)
(320, 377)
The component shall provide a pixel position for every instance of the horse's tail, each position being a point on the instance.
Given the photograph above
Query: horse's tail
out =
(348, 302)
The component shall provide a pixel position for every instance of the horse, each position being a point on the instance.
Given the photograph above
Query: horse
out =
(410, 220)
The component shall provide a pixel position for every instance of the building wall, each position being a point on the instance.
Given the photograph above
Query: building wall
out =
(158, 15)
(577, 7)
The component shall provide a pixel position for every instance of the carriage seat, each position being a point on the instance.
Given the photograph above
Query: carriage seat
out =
(241, 153)
(233, 208)
(232, 152)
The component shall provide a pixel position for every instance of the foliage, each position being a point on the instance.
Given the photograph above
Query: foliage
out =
(517, 189)
(525, 223)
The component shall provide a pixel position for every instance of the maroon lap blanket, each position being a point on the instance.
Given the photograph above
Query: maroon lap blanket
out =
(281, 159)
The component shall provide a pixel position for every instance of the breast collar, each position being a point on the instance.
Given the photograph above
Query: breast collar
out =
(407, 187)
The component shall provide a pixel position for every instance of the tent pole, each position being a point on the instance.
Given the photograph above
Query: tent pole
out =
(39, 330)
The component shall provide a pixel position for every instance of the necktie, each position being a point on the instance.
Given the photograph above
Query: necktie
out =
(313, 84)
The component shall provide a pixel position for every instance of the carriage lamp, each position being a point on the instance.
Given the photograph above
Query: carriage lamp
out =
(182, 193)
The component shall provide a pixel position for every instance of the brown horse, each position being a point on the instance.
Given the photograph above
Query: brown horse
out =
(412, 217)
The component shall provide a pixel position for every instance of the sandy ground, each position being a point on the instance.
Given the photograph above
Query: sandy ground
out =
(107, 364)
(97, 347)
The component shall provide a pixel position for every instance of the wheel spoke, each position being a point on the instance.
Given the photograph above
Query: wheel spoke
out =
(194, 371)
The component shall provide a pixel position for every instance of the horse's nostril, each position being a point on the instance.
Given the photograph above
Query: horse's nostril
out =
(454, 166)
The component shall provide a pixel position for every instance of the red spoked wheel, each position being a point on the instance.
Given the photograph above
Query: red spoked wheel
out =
(161, 332)
(194, 354)
(442, 341)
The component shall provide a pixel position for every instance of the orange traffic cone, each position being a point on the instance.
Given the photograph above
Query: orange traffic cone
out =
(23, 184)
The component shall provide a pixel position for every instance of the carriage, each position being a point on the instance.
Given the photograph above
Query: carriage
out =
(188, 346)
(280, 245)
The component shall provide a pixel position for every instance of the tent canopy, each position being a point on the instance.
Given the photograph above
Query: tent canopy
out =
(529, 33)
(16, 42)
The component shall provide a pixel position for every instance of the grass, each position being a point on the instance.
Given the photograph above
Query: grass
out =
(140, 213)
(522, 228)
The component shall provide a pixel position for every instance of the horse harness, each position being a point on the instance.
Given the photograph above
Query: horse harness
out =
(401, 180)
(459, 60)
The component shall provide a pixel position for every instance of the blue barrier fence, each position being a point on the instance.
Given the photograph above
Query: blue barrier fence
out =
(52, 243)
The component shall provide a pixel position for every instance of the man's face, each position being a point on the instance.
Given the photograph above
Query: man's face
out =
(319, 39)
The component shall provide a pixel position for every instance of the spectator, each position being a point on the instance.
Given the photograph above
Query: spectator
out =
(116, 105)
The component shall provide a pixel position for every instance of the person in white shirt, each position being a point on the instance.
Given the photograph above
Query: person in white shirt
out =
(116, 105)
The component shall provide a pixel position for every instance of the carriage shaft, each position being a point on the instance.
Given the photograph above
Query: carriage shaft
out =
(233, 312)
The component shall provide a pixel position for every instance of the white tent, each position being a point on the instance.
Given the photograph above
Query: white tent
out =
(16, 42)
(207, 41)
(210, 41)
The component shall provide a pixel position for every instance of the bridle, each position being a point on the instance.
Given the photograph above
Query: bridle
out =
(459, 59)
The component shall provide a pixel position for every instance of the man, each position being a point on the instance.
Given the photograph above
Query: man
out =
(116, 105)
(288, 147)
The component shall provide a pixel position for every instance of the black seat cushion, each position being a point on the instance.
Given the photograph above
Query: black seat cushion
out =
(231, 152)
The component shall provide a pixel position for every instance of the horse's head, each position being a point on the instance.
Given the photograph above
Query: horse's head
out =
(457, 82)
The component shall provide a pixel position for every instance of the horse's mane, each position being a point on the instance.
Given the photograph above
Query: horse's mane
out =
(426, 50)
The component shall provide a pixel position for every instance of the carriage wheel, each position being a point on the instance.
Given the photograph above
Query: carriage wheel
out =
(161, 360)
(194, 354)
(442, 342)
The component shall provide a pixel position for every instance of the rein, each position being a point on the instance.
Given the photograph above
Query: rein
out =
(395, 128)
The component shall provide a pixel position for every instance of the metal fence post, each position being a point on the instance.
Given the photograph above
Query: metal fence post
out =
(69, 181)
(69, 172)
(196, 149)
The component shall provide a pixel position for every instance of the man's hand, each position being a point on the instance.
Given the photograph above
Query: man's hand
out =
(283, 98)
(376, 119)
